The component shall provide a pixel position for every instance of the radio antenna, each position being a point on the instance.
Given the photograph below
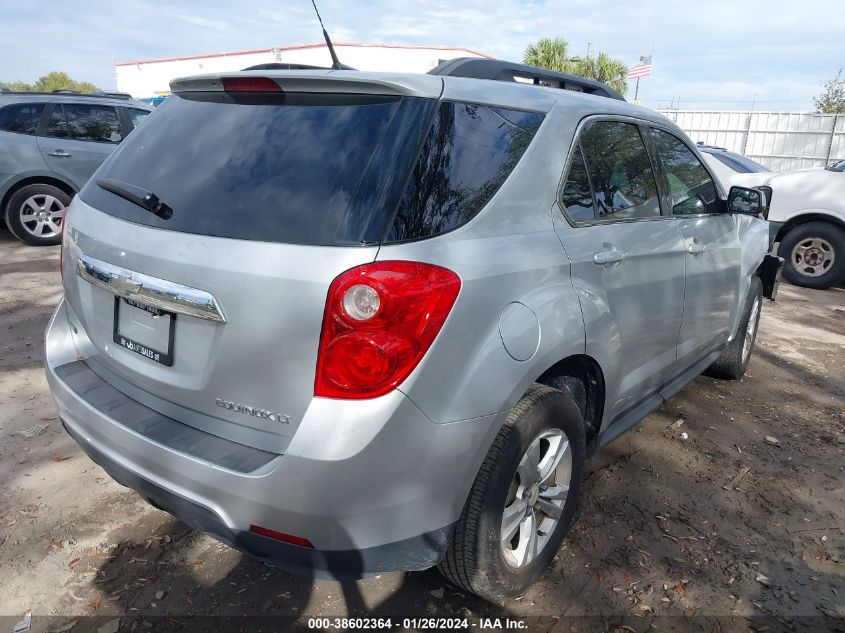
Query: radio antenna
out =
(336, 65)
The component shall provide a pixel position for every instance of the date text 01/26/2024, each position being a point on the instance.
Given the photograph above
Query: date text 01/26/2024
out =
(419, 624)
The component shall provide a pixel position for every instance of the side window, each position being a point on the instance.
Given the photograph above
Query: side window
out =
(92, 123)
(137, 115)
(467, 155)
(22, 118)
(576, 196)
(692, 189)
(620, 171)
(57, 126)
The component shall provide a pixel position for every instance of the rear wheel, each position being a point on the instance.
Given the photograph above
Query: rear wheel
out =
(734, 359)
(34, 214)
(523, 499)
(814, 255)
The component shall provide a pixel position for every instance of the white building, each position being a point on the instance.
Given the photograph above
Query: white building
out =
(151, 77)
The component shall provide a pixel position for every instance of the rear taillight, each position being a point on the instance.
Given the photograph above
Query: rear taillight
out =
(250, 84)
(380, 320)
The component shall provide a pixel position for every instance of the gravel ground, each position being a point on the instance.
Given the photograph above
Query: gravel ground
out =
(658, 533)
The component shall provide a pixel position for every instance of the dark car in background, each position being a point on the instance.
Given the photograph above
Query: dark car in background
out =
(50, 145)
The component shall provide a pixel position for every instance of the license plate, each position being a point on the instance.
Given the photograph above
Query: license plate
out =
(144, 330)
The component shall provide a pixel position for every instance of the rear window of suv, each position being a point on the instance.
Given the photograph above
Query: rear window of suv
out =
(314, 169)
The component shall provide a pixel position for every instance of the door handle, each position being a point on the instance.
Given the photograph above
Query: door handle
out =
(697, 249)
(60, 153)
(608, 257)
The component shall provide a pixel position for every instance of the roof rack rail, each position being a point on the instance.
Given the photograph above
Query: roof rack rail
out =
(74, 93)
(111, 95)
(498, 70)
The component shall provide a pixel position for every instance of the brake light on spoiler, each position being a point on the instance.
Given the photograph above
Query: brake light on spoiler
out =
(250, 84)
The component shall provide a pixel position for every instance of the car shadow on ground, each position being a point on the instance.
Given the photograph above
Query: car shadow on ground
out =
(155, 581)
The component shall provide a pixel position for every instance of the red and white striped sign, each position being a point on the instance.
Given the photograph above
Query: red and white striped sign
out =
(641, 69)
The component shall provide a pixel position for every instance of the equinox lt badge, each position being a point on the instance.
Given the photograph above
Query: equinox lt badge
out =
(264, 414)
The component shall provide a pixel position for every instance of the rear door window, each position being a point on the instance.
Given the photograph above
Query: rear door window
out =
(469, 152)
(22, 118)
(85, 122)
(620, 171)
(576, 196)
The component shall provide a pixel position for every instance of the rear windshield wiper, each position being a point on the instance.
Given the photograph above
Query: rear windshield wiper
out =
(144, 199)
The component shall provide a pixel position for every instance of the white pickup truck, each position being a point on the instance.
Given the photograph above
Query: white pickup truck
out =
(806, 214)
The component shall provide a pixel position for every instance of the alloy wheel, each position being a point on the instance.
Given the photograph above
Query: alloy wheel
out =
(41, 215)
(751, 329)
(536, 497)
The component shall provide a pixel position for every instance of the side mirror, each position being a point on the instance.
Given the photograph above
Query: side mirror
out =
(747, 201)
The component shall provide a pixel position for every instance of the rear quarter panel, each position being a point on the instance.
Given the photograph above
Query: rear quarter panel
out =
(508, 253)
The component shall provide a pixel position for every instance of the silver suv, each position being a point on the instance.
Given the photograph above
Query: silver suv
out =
(50, 144)
(359, 322)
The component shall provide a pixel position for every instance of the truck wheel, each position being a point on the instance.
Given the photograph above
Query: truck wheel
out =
(733, 361)
(34, 214)
(814, 255)
(523, 499)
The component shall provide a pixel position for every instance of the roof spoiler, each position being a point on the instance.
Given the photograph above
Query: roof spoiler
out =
(498, 70)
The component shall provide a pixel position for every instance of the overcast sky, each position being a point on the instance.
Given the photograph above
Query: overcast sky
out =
(711, 54)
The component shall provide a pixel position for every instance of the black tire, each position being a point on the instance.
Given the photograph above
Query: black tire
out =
(832, 235)
(16, 206)
(474, 560)
(731, 364)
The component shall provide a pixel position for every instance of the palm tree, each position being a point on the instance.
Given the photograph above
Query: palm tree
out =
(605, 69)
(551, 53)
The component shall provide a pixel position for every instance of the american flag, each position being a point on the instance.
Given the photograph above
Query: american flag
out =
(641, 69)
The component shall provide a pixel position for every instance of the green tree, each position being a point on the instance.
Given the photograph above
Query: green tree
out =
(48, 83)
(832, 100)
(553, 53)
(604, 68)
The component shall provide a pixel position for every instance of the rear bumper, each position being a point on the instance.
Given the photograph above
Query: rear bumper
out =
(418, 552)
(374, 485)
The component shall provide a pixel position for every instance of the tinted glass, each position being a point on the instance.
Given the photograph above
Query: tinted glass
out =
(22, 118)
(92, 122)
(85, 122)
(57, 126)
(620, 171)
(295, 168)
(576, 196)
(692, 189)
(137, 115)
(739, 163)
(468, 153)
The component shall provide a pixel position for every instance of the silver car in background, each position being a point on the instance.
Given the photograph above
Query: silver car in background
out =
(50, 144)
(360, 322)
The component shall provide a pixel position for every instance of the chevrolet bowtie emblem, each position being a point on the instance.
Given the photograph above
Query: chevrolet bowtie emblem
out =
(127, 285)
